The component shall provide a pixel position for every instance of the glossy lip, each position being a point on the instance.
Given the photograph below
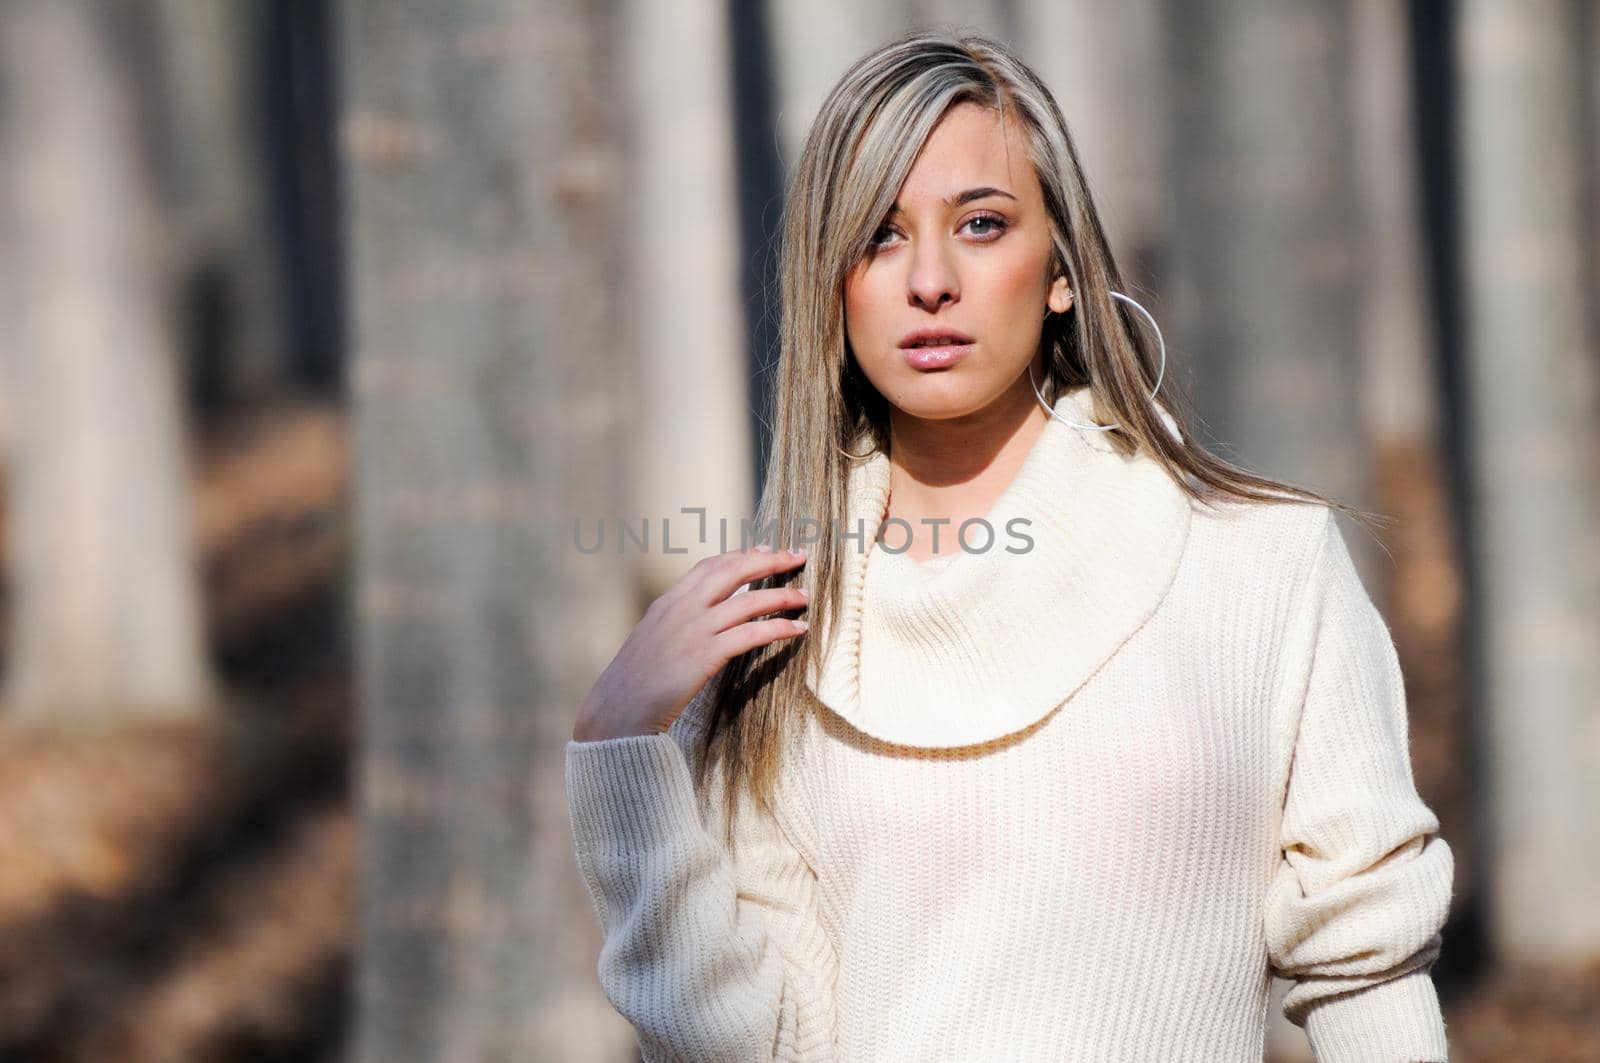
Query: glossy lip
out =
(936, 357)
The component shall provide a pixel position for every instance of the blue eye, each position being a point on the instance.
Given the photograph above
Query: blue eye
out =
(998, 223)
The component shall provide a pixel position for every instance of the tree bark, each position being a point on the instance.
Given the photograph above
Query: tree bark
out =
(486, 200)
(106, 613)
(693, 423)
(1534, 386)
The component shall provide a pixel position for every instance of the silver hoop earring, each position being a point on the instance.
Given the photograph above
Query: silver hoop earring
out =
(1160, 373)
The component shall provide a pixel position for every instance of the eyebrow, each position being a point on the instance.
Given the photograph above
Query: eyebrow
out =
(961, 198)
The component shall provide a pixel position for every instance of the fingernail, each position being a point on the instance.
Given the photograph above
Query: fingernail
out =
(804, 593)
(801, 625)
(797, 551)
(763, 548)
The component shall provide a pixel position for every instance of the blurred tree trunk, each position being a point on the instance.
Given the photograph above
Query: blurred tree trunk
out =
(1267, 264)
(1534, 385)
(693, 420)
(106, 614)
(219, 181)
(490, 387)
(1104, 60)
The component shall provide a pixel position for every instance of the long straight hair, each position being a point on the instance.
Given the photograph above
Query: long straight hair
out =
(827, 416)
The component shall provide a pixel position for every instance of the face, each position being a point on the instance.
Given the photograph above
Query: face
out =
(974, 266)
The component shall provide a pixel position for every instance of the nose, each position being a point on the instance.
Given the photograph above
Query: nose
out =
(933, 281)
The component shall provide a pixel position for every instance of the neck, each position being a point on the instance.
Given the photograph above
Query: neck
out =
(1086, 542)
(956, 468)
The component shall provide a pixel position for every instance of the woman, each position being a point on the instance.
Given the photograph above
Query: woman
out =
(1073, 787)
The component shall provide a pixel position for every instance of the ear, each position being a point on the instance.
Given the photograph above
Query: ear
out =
(1060, 298)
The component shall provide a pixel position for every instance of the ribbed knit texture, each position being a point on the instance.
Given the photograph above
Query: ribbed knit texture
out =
(934, 563)
(1077, 803)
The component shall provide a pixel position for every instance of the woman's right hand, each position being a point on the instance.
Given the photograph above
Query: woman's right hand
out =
(686, 635)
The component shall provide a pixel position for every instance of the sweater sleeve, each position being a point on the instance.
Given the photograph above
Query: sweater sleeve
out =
(711, 954)
(1356, 906)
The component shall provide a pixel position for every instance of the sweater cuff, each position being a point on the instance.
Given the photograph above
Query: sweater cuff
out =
(629, 794)
(1397, 1021)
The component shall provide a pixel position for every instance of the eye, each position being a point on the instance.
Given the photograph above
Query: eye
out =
(996, 225)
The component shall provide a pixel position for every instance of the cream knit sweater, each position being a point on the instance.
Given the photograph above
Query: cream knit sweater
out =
(1077, 803)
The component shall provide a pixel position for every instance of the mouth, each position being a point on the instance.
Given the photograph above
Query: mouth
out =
(935, 347)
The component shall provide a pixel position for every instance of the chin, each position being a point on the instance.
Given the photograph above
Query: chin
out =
(944, 395)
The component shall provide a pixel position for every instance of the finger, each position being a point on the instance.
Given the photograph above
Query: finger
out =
(734, 569)
(741, 607)
(741, 638)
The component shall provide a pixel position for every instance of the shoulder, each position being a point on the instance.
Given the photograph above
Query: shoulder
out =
(1260, 545)
(1278, 577)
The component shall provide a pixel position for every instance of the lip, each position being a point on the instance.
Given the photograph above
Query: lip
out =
(942, 357)
(934, 332)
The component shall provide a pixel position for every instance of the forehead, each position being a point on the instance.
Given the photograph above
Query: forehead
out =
(971, 147)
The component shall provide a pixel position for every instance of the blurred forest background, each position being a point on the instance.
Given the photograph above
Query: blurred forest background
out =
(322, 321)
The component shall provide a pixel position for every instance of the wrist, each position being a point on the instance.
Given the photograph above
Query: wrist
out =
(588, 728)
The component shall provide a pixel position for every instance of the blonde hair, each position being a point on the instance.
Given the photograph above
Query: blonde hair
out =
(826, 416)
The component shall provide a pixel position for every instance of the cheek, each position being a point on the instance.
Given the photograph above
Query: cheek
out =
(865, 314)
(1013, 300)
(1012, 286)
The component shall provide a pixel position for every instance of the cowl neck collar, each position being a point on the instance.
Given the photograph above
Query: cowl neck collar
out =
(991, 642)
